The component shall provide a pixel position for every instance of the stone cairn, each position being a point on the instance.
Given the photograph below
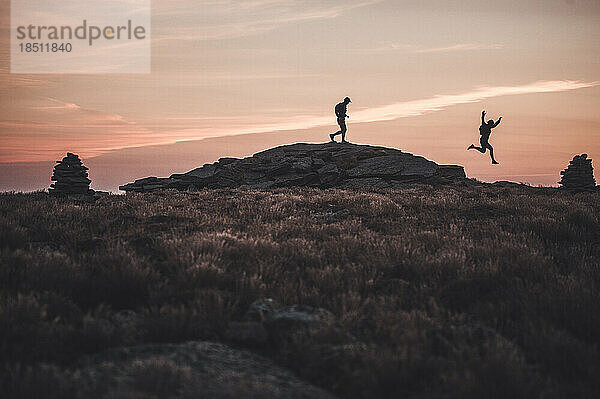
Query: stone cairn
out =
(70, 177)
(579, 175)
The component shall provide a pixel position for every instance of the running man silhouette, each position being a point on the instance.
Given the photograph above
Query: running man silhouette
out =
(340, 112)
(485, 130)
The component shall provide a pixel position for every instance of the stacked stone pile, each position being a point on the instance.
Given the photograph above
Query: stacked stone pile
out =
(579, 175)
(70, 177)
(313, 165)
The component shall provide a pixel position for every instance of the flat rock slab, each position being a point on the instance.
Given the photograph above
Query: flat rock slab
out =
(393, 166)
(310, 165)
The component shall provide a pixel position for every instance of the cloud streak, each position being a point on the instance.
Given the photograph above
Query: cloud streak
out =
(440, 102)
(460, 47)
(411, 48)
(228, 19)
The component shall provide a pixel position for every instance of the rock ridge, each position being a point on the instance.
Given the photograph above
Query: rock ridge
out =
(325, 165)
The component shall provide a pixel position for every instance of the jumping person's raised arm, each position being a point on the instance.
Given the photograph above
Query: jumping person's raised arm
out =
(497, 122)
(483, 117)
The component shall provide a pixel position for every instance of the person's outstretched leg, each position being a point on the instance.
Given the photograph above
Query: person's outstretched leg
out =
(332, 135)
(494, 162)
(473, 147)
(344, 130)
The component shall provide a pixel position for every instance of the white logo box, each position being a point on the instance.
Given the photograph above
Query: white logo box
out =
(80, 36)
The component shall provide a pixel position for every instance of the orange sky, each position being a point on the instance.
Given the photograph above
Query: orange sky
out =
(418, 72)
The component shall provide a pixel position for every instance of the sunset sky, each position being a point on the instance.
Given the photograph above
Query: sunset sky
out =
(257, 73)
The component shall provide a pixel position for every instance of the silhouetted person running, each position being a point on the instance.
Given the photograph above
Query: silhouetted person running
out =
(485, 130)
(340, 112)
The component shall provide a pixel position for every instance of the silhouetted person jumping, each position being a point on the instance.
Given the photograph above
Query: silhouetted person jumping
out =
(340, 112)
(485, 130)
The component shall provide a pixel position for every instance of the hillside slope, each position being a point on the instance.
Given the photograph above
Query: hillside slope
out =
(438, 291)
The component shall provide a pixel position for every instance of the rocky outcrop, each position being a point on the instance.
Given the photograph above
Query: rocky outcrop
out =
(579, 175)
(193, 369)
(70, 177)
(313, 165)
(268, 323)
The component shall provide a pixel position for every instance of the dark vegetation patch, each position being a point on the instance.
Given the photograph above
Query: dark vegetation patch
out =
(471, 292)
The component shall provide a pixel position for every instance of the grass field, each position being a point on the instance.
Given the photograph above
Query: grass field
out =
(451, 292)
